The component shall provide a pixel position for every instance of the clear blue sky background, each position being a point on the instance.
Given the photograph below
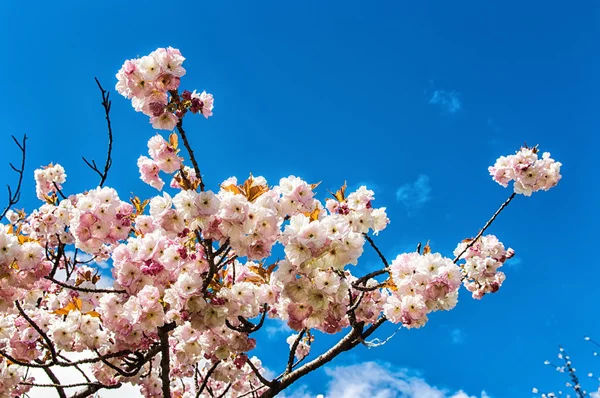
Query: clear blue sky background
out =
(381, 94)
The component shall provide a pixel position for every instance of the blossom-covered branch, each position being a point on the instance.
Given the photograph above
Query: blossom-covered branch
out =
(193, 273)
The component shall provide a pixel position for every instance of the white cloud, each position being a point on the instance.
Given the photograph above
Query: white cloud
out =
(448, 101)
(514, 262)
(370, 379)
(457, 336)
(414, 194)
(277, 327)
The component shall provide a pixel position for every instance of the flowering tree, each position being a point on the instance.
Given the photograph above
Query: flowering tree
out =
(192, 276)
(566, 367)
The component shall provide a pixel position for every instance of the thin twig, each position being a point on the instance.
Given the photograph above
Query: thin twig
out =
(206, 378)
(381, 256)
(14, 197)
(84, 289)
(40, 332)
(106, 104)
(191, 153)
(486, 226)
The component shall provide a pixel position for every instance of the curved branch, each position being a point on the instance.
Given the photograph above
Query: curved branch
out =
(191, 153)
(374, 246)
(106, 104)
(40, 332)
(293, 349)
(486, 226)
(13, 197)
(60, 389)
(257, 373)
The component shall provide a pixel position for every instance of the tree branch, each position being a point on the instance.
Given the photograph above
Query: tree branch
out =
(293, 349)
(257, 373)
(190, 152)
(59, 388)
(205, 381)
(165, 363)
(486, 226)
(14, 197)
(106, 103)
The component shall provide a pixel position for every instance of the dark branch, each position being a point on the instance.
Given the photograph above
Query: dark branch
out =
(206, 378)
(13, 197)
(381, 256)
(106, 104)
(40, 332)
(84, 289)
(59, 388)
(293, 349)
(191, 153)
(165, 363)
(486, 226)
(257, 373)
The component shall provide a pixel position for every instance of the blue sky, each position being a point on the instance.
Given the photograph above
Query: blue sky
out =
(414, 99)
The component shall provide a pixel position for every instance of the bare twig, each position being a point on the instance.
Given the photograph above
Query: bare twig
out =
(14, 197)
(486, 226)
(381, 256)
(106, 103)
(191, 153)
(84, 289)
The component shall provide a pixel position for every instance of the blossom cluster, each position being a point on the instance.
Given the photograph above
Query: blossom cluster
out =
(529, 172)
(482, 261)
(48, 180)
(99, 219)
(163, 157)
(192, 273)
(152, 82)
(422, 283)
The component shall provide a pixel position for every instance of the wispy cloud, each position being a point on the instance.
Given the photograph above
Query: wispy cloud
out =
(414, 194)
(448, 101)
(457, 336)
(370, 379)
(514, 262)
(278, 327)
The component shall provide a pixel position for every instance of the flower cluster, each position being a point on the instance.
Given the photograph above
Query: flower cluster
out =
(48, 180)
(148, 81)
(99, 219)
(193, 275)
(529, 173)
(163, 157)
(422, 283)
(11, 376)
(482, 260)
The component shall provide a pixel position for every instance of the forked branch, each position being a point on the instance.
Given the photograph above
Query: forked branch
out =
(14, 197)
(106, 103)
